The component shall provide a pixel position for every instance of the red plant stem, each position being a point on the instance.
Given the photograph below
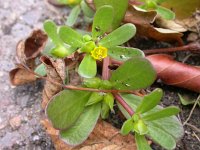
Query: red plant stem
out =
(105, 70)
(106, 76)
(190, 47)
(124, 104)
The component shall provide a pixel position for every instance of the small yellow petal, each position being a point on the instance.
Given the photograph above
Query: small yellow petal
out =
(99, 53)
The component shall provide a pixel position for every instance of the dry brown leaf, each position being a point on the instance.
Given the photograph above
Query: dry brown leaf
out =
(175, 73)
(56, 72)
(169, 24)
(32, 46)
(27, 50)
(103, 137)
(20, 76)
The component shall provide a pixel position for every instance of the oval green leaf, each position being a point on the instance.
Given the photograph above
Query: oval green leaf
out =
(135, 73)
(73, 16)
(41, 70)
(66, 107)
(88, 67)
(82, 128)
(127, 127)
(71, 37)
(52, 31)
(161, 137)
(102, 21)
(86, 9)
(119, 36)
(150, 101)
(120, 7)
(124, 53)
(166, 112)
(141, 142)
(95, 98)
(165, 13)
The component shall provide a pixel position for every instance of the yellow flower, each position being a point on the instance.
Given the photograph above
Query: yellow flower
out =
(99, 53)
(73, 2)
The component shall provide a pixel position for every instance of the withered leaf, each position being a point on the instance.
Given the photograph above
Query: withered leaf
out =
(108, 139)
(20, 76)
(32, 46)
(175, 73)
(55, 72)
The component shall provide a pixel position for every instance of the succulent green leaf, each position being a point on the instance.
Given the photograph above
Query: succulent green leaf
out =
(52, 31)
(82, 128)
(165, 13)
(73, 16)
(170, 125)
(124, 53)
(135, 73)
(150, 101)
(66, 107)
(161, 137)
(95, 98)
(71, 37)
(118, 36)
(166, 112)
(92, 82)
(127, 127)
(86, 9)
(102, 21)
(141, 142)
(104, 110)
(120, 7)
(41, 70)
(109, 100)
(88, 67)
(106, 85)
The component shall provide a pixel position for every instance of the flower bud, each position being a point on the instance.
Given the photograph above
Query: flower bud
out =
(140, 127)
(60, 51)
(87, 38)
(92, 82)
(88, 47)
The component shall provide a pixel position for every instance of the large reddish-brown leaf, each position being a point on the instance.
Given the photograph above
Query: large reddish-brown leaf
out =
(175, 73)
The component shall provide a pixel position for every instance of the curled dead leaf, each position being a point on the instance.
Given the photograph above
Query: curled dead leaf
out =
(20, 76)
(108, 139)
(175, 73)
(32, 46)
(55, 71)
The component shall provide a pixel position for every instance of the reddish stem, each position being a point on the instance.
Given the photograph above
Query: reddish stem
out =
(105, 70)
(106, 76)
(123, 103)
(190, 47)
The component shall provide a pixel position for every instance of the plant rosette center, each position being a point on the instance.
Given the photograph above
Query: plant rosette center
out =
(99, 53)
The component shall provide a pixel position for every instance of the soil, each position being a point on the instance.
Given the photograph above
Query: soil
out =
(20, 110)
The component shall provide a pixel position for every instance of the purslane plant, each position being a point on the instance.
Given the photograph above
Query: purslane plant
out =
(155, 5)
(75, 113)
(77, 7)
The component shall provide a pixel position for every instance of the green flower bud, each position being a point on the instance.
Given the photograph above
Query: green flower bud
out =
(87, 38)
(92, 82)
(140, 127)
(60, 51)
(109, 100)
(105, 84)
(95, 98)
(88, 47)
(135, 117)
